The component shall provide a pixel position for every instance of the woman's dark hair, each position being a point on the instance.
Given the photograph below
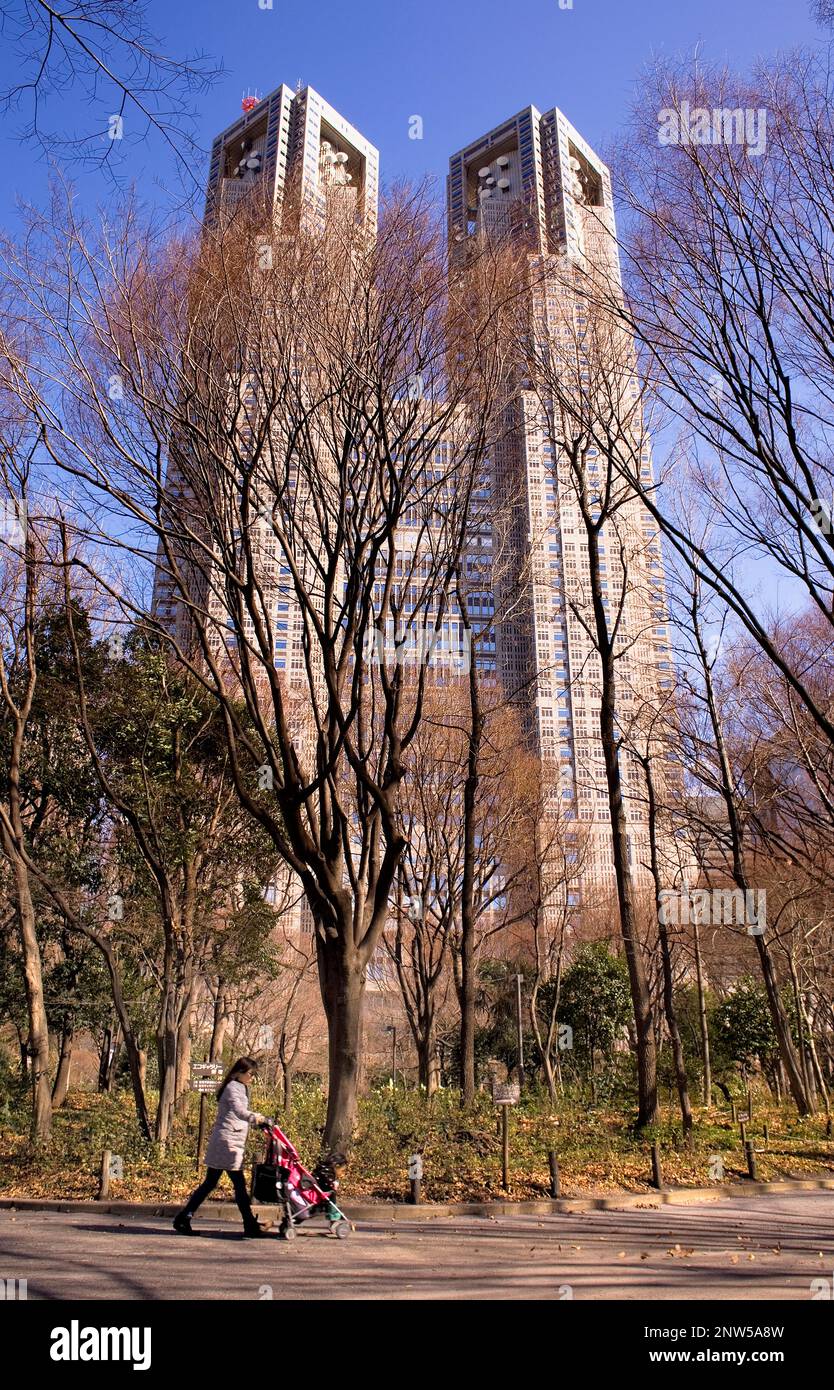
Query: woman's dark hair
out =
(242, 1067)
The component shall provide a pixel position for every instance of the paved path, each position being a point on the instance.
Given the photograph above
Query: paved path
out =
(763, 1249)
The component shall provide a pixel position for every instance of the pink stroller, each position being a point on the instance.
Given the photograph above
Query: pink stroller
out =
(283, 1179)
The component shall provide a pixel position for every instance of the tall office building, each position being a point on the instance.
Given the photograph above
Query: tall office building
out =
(300, 162)
(534, 180)
(303, 160)
(304, 156)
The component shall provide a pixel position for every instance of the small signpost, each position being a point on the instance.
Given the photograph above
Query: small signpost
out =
(505, 1094)
(204, 1078)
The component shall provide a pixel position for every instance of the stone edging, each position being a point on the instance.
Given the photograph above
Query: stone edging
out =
(401, 1211)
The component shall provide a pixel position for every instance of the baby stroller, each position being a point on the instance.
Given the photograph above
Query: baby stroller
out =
(282, 1178)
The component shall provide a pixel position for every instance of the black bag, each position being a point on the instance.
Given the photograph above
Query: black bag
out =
(265, 1183)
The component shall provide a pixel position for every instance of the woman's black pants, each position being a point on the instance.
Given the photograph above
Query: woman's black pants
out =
(207, 1186)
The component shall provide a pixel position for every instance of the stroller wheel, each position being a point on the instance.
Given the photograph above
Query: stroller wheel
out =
(287, 1231)
(340, 1229)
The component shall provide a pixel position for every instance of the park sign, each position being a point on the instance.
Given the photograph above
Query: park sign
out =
(205, 1075)
(506, 1092)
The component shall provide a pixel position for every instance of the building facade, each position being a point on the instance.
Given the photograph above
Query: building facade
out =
(535, 182)
(531, 178)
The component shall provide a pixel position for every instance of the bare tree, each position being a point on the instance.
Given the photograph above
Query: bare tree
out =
(103, 49)
(729, 265)
(451, 854)
(24, 577)
(309, 408)
(734, 782)
(586, 401)
(555, 850)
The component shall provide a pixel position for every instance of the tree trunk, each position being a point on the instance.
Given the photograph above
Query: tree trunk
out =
(286, 1082)
(183, 1077)
(104, 1059)
(104, 945)
(467, 983)
(342, 980)
(706, 1061)
(112, 1065)
(167, 1035)
(60, 1085)
(544, 1047)
(173, 1027)
(466, 1000)
(787, 1051)
(647, 1110)
(802, 1031)
(38, 1050)
(219, 1023)
(426, 1055)
(666, 960)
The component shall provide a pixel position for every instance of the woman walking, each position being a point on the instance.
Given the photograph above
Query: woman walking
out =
(226, 1145)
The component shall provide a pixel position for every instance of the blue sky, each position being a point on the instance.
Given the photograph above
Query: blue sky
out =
(462, 65)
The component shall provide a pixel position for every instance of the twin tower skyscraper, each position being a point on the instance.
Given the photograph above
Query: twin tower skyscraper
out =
(536, 171)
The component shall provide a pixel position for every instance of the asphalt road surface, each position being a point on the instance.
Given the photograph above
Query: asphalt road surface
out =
(733, 1249)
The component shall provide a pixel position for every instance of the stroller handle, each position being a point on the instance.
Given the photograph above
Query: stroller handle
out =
(276, 1133)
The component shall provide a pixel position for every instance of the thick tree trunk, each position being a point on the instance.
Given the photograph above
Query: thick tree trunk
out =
(60, 1086)
(426, 1055)
(167, 1036)
(219, 1023)
(173, 1027)
(104, 1059)
(183, 1061)
(342, 980)
(111, 1063)
(41, 1122)
(183, 1080)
